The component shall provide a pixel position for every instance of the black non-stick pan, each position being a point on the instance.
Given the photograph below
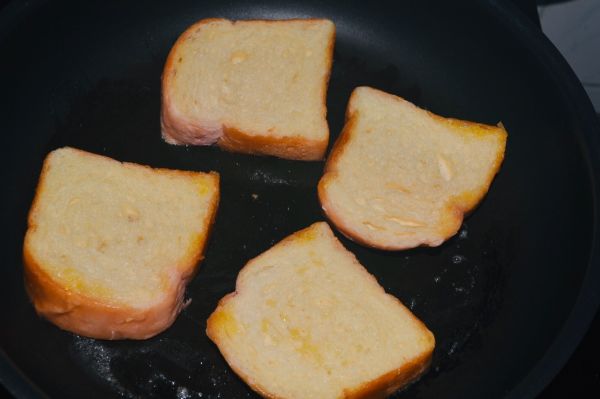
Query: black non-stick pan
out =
(508, 298)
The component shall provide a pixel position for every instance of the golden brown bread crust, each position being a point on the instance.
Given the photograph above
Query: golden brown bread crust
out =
(298, 148)
(213, 335)
(177, 129)
(380, 387)
(456, 208)
(90, 317)
(85, 316)
(391, 382)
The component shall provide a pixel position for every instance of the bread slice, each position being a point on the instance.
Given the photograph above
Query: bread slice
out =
(256, 87)
(399, 176)
(111, 246)
(308, 321)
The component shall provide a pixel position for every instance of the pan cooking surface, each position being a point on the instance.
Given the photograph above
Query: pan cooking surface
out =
(496, 296)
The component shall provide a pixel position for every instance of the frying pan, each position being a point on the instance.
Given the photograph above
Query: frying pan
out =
(508, 298)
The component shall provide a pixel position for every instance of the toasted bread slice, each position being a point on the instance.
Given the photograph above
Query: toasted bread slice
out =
(256, 87)
(400, 177)
(111, 246)
(308, 321)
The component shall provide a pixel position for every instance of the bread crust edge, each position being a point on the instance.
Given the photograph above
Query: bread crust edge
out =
(177, 129)
(89, 316)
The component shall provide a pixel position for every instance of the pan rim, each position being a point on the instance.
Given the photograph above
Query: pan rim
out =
(587, 304)
(585, 307)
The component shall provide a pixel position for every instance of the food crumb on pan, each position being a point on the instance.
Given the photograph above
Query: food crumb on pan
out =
(184, 393)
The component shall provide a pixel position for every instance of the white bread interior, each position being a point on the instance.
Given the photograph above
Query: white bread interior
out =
(250, 86)
(110, 245)
(308, 321)
(399, 176)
